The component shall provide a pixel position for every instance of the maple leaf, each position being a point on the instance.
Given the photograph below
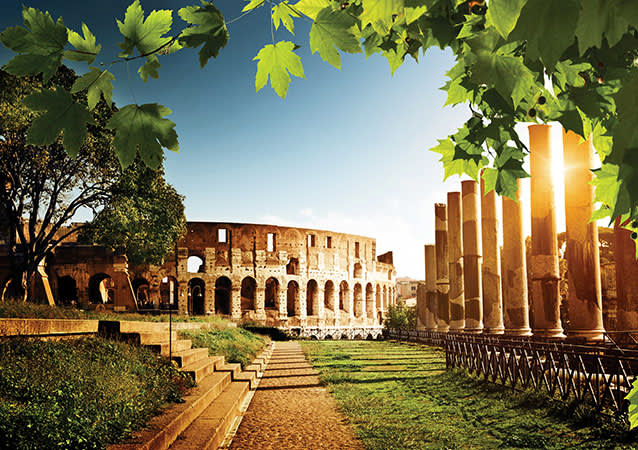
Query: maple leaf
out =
(145, 35)
(97, 82)
(144, 130)
(275, 61)
(85, 47)
(62, 113)
(283, 13)
(311, 7)
(210, 30)
(333, 29)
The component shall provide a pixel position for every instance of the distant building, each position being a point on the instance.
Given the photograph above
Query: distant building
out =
(407, 288)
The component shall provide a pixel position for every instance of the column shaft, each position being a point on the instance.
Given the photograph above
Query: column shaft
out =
(515, 301)
(492, 297)
(431, 309)
(472, 255)
(442, 282)
(455, 261)
(626, 278)
(544, 271)
(584, 296)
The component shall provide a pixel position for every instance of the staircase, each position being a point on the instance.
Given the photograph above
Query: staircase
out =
(210, 409)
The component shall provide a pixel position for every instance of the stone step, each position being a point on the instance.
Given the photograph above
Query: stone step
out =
(186, 357)
(207, 432)
(249, 376)
(177, 346)
(148, 337)
(162, 430)
(199, 369)
(233, 368)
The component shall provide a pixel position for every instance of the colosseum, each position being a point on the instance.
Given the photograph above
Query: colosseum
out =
(308, 282)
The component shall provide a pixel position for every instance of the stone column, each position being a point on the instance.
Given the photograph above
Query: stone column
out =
(301, 311)
(209, 298)
(350, 301)
(235, 301)
(492, 297)
(544, 259)
(431, 309)
(442, 282)
(515, 301)
(584, 296)
(420, 307)
(472, 254)
(626, 278)
(260, 299)
(283, 302)
(319, 307)
(456, 295)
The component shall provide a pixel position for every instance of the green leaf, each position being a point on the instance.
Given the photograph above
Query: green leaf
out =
(41, 45)
(149, 69)
(252, 4)
(311, 7)
(281, 12)
(451, 164)
(85, 47)
(511, 78)
(210, 30)
(548, 27)
(490, 176)
(145, 35)
(604, 18)
(625, 131)
(97, 82)
(395, 57)
(504, 14)
(333, 29)
(143, 129)
(375, 11)
(62, 113)
(275, 61)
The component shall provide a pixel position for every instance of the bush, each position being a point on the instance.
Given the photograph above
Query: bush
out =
(235, 344)
(401, 317)
(273, 333)
(81, 394)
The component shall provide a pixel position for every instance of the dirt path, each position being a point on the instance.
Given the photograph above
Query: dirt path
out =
(290, 410)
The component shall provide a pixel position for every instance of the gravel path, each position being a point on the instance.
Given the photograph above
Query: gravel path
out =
(291, 411)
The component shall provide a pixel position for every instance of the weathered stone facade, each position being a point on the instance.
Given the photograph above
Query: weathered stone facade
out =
(317, 283)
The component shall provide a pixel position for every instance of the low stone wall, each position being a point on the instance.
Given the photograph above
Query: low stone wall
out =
(47, 328)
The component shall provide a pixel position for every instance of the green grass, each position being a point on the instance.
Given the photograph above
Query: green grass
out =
(80, 394)
(19, 309)
(235, 344)
(400, 396)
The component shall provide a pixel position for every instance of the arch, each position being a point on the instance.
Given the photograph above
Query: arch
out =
(369, 300)
(141, 291)
(369, 337)
(385, 298)
(292, 268)
(168, 293)
(358, 336)
(344, 336)
(101, 288)
(344, 290)
(196, 296)
(223, 287)
(328, 295)
(271, 300)
(248, 292)
(195, 264)
(312, 298)
(292, 298)
(358, 271)
(380, 317)
(67, 290)
(358, 301)
(389, 275)
(328, 337)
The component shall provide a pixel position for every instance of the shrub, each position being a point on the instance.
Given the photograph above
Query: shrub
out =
(80, 394)
(235, 344)
(401, 317)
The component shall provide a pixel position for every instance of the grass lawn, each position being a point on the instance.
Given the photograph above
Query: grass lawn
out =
(235, 344)
(400, 396)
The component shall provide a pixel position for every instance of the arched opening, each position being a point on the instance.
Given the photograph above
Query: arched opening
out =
(67, 290)
(385, 298)
(344, 336)
(358, 336)
(292, 268)
(168, 293)
(101, 289)
(271, 300)
(389, 275)
(312, 298)
(328, 296)
(369, 337)
(141, 290)
(196, 296)
(292, 298)
(369, 300)
(343, 296)
(195, 264)
(358, 301)
(328, 337)
(248, 291)
(223, 287)
(358, 270)
(380, 317)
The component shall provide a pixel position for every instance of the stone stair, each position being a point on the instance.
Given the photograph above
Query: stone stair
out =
(209, 410)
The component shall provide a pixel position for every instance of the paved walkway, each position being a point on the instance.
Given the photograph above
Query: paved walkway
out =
(291, 411)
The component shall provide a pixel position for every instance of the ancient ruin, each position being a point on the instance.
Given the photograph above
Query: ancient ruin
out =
(311, 283)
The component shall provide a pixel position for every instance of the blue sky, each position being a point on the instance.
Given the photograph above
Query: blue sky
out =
(347, 150)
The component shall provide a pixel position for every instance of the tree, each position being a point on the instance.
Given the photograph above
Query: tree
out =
(145, 217)
(508, 71)
(42, 187)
